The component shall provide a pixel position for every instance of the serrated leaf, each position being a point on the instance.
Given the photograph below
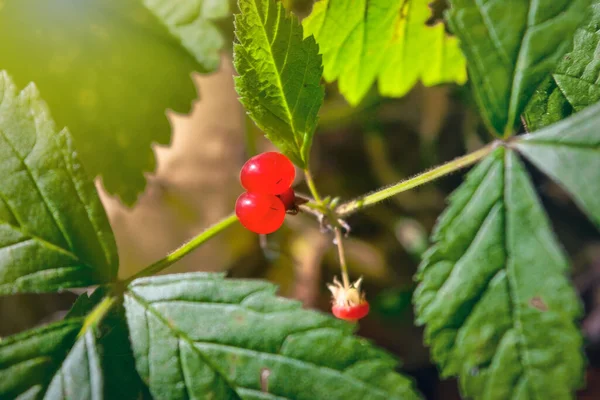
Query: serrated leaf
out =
(29, 361)
(109, 70)
(511, 47)
(494, 294)
(69, 360)
(575, 83)
(279, 76)
(199, 26)
(201, 336)
(54, 232)
(547, 106)
(383, 40)
(569, 152)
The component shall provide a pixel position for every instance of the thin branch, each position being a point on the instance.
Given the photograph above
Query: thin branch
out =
(185, 249)
(311, 186)
(375, 197)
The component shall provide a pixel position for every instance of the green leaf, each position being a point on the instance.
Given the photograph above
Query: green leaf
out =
(109, 70)
(201, 336)
(547, 106)
(575, 83)
(511, 47)
(30, 362)
(202, 27)
(498, 307)
(64, 360)
(279, 76)
(383, 40)
(569, 152)
(54, 232)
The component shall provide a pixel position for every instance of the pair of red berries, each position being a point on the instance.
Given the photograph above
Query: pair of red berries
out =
(267, 178)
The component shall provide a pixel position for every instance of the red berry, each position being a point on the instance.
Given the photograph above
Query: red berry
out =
(260, 213)
(351, 313)
(270, 173)
(348, 300)
(288, 198)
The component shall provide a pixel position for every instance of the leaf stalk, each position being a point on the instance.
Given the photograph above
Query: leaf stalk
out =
(97, 314)
(312, 187)
(375, 197)
(185, 249)
(342, 256)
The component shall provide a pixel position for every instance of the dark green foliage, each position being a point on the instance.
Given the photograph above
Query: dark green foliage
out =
(494, 293)
(511, 46)
(569, 152)
(218, 338)
(574, 84)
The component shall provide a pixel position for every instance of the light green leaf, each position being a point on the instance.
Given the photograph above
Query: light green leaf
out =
(223, 338)
(63, 361)
(383, 40)
(511, 46)
(494, 294)
(109, 70)
(54, 232)
(279, 76)
(575, 83)
(204, 27)
(569, 152)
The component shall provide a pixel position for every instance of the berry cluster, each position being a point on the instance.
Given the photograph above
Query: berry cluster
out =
(267, 178)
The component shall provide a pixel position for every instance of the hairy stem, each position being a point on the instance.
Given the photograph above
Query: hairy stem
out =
(185, 249)
(375, 197)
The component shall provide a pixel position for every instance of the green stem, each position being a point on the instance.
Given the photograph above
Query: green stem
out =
(342, 256)
(185, 249)
(97, 314)
(311, 186)
(402, 186)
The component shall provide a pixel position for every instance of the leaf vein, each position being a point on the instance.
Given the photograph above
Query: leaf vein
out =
(29, 173)
(517, 324)
(277, 74)
(231, 348)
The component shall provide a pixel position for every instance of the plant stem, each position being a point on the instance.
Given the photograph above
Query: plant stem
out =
(311, 186)
(97, 314)
(185, 249)
(344, 267)
(444, 169)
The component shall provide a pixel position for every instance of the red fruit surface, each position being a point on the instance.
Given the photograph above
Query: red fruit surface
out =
(269, 173)
(260, 213)
(351, 313)
(288, 198)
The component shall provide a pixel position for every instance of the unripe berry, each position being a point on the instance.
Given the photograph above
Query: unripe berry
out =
(349, 302)
(351, 313)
